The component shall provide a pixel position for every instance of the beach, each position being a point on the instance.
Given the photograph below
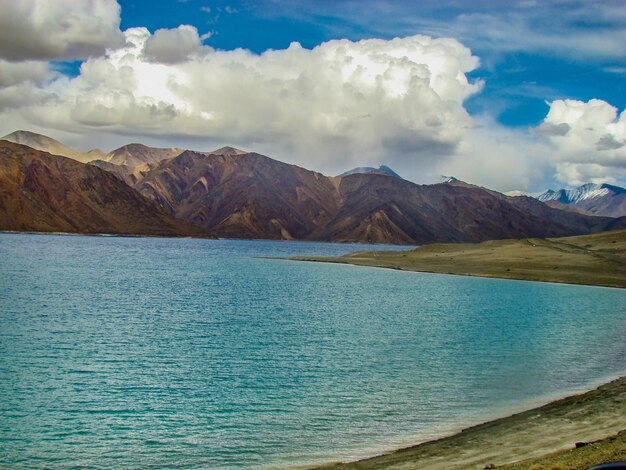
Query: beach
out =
(598, 259)
(547, 435)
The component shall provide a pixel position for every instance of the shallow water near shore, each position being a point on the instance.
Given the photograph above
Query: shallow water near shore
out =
(150, 353)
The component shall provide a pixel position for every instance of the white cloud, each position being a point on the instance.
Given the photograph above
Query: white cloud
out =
(59, 29)
(496, 157)
(171, 46)
(591, 143)
(340, 103)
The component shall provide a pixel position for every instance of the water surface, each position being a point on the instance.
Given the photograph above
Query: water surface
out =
(151, 353)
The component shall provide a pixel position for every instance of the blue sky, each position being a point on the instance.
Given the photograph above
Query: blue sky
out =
(519, 79)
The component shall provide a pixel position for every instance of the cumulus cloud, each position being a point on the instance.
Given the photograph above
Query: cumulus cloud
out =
(497, 157)
(22, 83)
(592, 146)
(59, 29)
(340, 103)
(171, 46)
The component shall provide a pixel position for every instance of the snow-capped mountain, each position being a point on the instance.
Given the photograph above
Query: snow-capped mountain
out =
(598, 199)
(586, 191)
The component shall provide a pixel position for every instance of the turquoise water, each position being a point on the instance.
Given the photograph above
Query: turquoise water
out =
(151, 353)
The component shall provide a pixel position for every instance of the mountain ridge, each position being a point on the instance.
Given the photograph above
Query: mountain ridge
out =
(48, 144)
(41, 192)
(283, 201)
(129, 155)
(132, 155)
(231, 193)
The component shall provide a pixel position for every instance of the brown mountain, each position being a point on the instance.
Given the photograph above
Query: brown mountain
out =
(376, 208)
(48, 144)
(227, 151)
(242, 195)
(568, 207)
(132, 155)
(253, 196)
(44, 192)
(123, 172)
(232, 193)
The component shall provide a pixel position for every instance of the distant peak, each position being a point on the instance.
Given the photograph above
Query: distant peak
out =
(22, 132)
(517, 193)
(48, 144)
(227, 151)
(582, 192)
(134, 145)
(23, 137)
(381, 170)
(449, 179)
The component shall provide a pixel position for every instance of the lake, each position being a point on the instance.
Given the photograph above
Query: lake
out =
(181, 353)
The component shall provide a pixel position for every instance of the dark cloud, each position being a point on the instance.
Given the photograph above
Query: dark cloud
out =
(59, 29)
(608, 142)
(171, 46)
(548, 129)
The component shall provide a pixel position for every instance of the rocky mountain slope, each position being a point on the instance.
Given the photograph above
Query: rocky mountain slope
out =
(44, 192)
(242, 196)
(253, 196)
(132, 155)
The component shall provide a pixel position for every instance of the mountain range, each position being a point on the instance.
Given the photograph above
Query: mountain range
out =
(590, 198)
(238, 194)
(48, 144)
(40, 192)
(130, 155)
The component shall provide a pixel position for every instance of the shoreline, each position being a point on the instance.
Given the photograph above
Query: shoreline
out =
(104, 235)
(534, 433)
(593, 260)
(309, 259)
(501, 413)
(194, 237)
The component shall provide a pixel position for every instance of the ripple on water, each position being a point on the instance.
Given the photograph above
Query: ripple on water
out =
(121, 352)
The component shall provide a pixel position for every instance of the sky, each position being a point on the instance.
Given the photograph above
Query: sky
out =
(513, 95)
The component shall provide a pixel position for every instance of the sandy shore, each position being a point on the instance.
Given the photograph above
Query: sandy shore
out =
(546, 435)
(598, 259)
